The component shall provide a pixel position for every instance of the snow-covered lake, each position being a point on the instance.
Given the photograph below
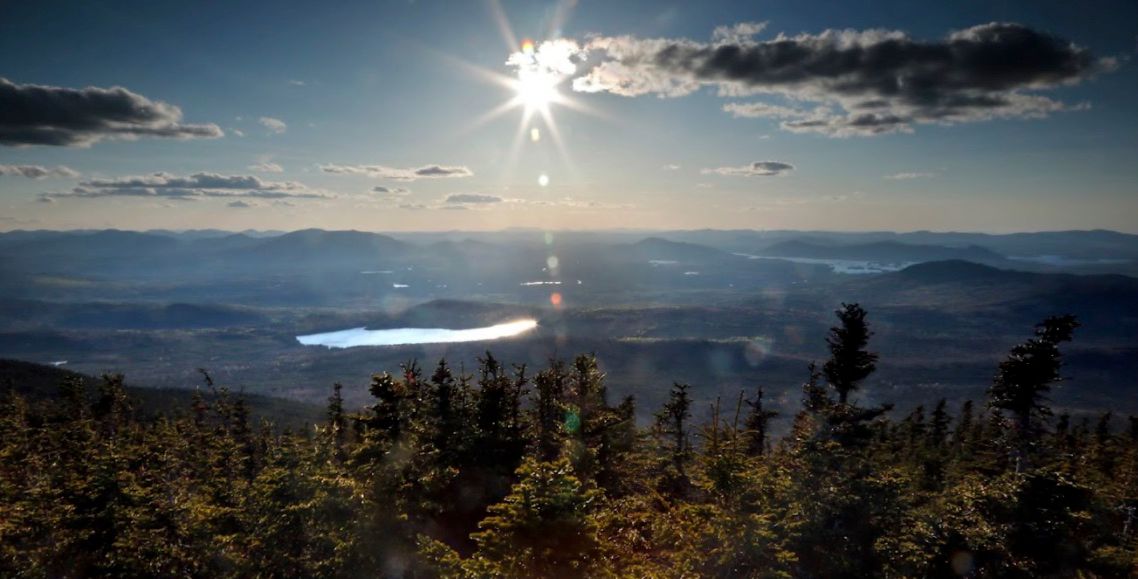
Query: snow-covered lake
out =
(401, 336)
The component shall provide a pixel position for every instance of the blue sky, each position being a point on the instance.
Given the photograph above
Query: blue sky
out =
(399, 85)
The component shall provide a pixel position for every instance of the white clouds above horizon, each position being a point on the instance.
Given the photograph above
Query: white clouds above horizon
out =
(756, 169)
(274, 125)
(910, 175)
(266, 167)
(37, 171)
(468, 198)
(188, 188)
(396, 174)
(394, 191)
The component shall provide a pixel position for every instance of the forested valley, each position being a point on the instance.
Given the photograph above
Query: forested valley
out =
(507, 471)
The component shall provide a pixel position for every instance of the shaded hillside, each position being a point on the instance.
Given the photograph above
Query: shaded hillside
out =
(656, 248)
(124, 315)
(41, 382)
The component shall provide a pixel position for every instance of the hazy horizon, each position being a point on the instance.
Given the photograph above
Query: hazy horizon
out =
(517, 228)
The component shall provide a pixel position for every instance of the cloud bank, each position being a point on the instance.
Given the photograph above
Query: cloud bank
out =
(189, 188)
(853, 83)
(49, 115)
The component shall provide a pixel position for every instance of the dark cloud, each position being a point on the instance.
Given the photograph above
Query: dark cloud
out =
(382, 172)
(440, 171)
(861, 82)
(756, 169)
(478, 198)
(239, 204)
(48, 115)
(37, 171)
(188, 188)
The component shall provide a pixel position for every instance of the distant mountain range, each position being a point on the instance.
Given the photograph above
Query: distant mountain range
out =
(318, 267)
(882, 251)
(662, 306)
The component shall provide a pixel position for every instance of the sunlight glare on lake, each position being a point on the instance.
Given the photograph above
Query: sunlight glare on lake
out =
(403, 336)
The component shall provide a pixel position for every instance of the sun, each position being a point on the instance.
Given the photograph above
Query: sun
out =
(536, 90)
(536, 86)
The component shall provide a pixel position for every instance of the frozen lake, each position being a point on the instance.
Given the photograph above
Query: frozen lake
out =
(402, 336)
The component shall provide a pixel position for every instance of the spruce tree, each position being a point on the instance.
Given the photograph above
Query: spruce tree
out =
(757, 425)
(849, 362)
(1024, 380)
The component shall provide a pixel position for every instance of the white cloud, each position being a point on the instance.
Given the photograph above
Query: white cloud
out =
(266, 167)
(911, 175)
(275, 126)
(467, 198)
(37, 171)
(393, 191)
(396, 174)
(756, 169)
(737, 33)
(190, 188)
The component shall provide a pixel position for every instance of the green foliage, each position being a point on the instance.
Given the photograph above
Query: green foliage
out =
(498, 475)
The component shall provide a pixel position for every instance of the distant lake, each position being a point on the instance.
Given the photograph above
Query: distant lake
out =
(1061, 261)
(402, 336)
(846, 266)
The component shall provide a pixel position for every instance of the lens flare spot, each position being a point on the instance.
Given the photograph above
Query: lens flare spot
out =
(555, 299)
(572, 422)
(552, 262)
(962, 562)
(527, 47)
(543, 180)
(548, 238)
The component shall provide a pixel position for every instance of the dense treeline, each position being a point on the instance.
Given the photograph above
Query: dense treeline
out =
(504, 473)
